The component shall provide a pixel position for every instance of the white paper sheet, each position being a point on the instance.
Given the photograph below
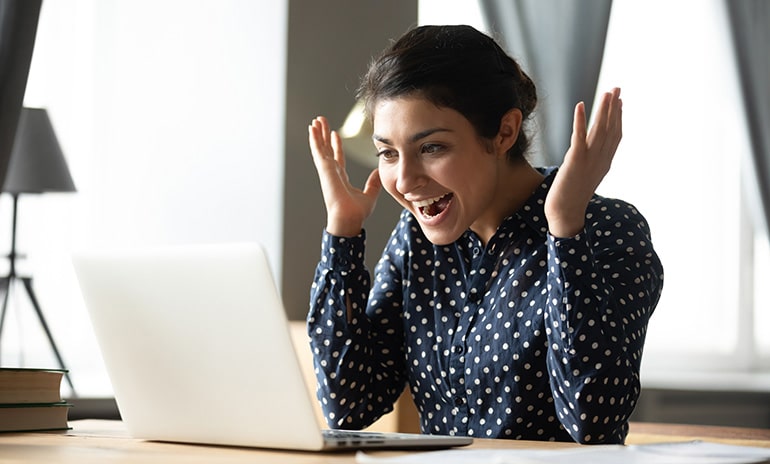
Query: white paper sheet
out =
(693, 452)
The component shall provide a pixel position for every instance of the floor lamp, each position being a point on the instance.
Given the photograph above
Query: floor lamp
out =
(37, 165)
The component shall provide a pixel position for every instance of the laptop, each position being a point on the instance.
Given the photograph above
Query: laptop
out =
(197, 347)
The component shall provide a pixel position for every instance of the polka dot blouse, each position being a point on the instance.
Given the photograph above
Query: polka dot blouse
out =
(530, 337)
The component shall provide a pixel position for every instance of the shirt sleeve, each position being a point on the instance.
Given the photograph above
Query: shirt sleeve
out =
(359, 367)
(604, 284)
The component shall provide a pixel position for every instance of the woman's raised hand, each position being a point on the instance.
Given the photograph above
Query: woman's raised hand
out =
(586, 163)
(346, 206)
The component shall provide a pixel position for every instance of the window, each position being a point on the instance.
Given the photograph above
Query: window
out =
(761, 303)
(171, 136)
(685, 163)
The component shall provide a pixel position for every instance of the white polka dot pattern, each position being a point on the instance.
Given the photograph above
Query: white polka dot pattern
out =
(530, 337)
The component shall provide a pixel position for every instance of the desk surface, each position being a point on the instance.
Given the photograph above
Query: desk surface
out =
(107, 441)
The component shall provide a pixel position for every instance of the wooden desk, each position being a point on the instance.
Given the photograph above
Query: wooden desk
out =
(648, 432)
(97, 441)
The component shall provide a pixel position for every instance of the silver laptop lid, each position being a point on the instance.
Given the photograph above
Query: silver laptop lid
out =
(196, 345)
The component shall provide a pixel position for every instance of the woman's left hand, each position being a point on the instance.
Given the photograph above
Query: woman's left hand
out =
(586, 163)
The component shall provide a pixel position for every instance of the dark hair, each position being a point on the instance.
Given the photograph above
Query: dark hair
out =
(455, 67)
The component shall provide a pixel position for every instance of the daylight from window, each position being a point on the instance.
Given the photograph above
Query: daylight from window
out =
(681, 162)
(684, 162)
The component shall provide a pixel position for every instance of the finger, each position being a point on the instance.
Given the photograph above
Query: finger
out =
(579, 125)
(609, 131)
(312, 138)
(613, 104)
(320, 142)
(599, 128)
(616, 114)
(339, 155)
(325, 131)
(614, 130)
(602, 111)
(315, 140)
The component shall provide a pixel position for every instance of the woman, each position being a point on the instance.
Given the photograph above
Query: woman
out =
(513, 301)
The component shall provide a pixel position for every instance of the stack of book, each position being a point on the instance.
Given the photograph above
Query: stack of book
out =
(30, 400)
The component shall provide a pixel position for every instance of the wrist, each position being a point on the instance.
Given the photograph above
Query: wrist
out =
(342, 228)
(564, 228)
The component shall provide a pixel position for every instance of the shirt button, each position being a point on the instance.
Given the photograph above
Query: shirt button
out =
(458, 401)
(459, 349)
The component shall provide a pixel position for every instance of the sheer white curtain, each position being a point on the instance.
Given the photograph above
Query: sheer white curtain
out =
(680, 163)
(750, 30)
(749, 24)
(684, 162)
(171, 117)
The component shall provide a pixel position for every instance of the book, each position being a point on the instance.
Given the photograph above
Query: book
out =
(30, 400)
(29, 417)
(27, 385)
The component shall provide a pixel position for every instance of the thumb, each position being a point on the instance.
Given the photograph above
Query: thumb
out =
(373, 184)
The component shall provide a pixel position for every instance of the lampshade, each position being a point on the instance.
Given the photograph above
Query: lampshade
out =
(37, 163)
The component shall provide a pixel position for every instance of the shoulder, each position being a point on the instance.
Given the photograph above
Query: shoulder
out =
(605, 215)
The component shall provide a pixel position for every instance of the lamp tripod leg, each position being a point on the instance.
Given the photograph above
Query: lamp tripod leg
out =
(5, 285)
(28, 286)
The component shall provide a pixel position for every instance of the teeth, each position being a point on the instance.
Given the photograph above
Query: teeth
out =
(428, 202)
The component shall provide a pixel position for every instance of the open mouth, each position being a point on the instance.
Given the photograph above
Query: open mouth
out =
(432, 207)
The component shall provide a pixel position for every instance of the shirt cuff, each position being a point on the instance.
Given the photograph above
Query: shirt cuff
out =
(343, 254)
(573, 254)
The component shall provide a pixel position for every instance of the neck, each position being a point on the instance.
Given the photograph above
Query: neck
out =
(515, 184)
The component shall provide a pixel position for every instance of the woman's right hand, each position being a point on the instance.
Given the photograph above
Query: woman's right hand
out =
(346, 206)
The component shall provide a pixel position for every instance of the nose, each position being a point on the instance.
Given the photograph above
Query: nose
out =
(411, 175)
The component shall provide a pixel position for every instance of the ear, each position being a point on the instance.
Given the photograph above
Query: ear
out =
(510, 124)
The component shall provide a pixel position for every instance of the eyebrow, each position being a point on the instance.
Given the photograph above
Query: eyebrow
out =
(414, 138)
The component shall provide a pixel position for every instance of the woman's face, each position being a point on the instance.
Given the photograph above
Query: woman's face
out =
(432, 161)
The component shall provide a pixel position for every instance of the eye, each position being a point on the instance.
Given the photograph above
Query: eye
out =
(431, 148)
(387, 154)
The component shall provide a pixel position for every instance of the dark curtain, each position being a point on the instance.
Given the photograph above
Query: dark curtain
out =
(18, 26)
(560, 44)
(750, 26)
